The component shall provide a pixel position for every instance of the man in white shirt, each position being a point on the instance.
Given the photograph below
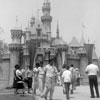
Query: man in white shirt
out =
(67, 76)
(92, 71)
(50, 71)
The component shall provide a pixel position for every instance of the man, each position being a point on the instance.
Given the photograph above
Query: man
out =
(50, 71)
(67, 76)
(92, 71)
(73, 81)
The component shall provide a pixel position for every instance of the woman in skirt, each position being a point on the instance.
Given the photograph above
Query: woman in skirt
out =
(35, 78)
(19, 84)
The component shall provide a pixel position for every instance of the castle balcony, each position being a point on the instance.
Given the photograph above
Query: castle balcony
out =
(40, 51)
(46, 18)
(61, 47)
(43, 37)
(15, 46)
(73, 57)
(6, 56)
(46, 8)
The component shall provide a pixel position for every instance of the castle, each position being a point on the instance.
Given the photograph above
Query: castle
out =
(39, 45)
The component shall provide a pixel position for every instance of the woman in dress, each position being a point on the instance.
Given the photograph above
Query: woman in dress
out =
(41, 77)
(35, 78)
(19, 84)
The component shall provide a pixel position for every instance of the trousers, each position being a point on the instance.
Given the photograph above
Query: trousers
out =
(93, 82)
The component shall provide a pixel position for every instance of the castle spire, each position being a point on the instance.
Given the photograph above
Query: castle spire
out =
(16, 20)
(82, 40)
(57, 30)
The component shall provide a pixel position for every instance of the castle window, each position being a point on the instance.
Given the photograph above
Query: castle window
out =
(39, 33)
(38, 44)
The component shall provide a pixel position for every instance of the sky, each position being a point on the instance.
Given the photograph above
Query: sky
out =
(71, 16)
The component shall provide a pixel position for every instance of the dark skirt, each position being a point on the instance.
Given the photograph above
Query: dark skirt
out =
(29, 82)
(18, 84)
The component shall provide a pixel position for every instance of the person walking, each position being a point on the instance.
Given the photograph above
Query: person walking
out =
(62, 70)
(73, 81)
(50, 71)
(41, 77)
(35, 78)
(92, 71)
(67, 76)
(77, 77)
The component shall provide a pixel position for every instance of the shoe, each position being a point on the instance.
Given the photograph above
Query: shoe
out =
(45, 98)
(71, 92)
(29, 92)
(92, 96)
(98, 96)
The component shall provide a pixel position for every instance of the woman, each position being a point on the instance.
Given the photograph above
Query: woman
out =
(35, 79)
(19, 84)
(41, 77)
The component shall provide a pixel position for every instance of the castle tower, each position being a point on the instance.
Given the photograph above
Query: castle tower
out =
(94, 56)
(32, 21)
(15, 49)
(46, 18)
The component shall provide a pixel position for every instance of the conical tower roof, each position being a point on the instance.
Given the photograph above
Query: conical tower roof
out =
(74, 42)
(94, 55)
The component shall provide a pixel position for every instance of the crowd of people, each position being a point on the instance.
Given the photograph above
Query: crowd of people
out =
(44, 78)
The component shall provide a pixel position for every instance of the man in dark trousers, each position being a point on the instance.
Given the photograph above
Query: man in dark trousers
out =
(92, 71)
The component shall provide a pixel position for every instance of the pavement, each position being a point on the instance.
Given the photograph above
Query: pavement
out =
(81, 93)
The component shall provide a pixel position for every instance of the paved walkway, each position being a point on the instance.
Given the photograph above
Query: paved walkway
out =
(81, 93)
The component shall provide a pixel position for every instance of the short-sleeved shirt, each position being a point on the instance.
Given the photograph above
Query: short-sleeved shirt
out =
(92, 69)
(67, 76)
(18, 73)
(73, 72)
(50, 70)
(29, 73)
(35, 72)
(41, 70)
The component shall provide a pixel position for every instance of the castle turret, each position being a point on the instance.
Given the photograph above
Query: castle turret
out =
(46, 18)
(15, 49)
(27, 34)
(32, 21)
(94, 56)
(61, 47)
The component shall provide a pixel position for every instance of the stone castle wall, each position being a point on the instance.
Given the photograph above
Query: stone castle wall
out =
(4, 73)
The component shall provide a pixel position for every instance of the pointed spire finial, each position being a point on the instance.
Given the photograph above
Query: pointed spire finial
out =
(16, 20)
(88, 41)
(57, 30)
(28, 24)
